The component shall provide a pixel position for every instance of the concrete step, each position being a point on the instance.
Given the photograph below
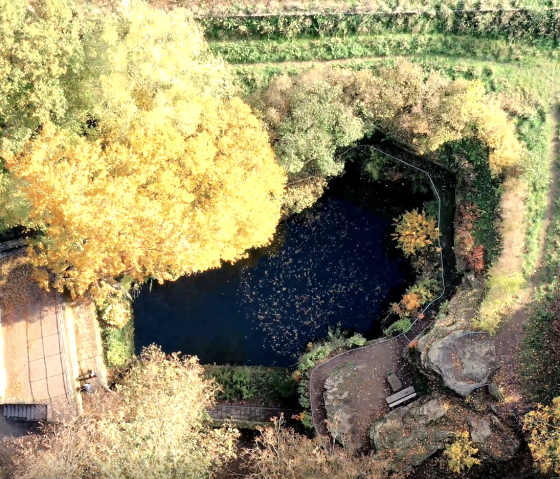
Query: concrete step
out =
(25, 412)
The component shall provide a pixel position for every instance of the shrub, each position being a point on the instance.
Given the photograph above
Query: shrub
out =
(281, 453)
(118, 344)
(414, 232)
(400, 326)
(543, 426)
(116, 311)
(236, 382)
(460, 454)
(409, 306)
(302, 193)
(284, 386)
(155, 424)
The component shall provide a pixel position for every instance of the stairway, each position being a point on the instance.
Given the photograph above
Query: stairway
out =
(25, 412)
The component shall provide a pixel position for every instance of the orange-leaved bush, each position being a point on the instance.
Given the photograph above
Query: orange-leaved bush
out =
(162, 205)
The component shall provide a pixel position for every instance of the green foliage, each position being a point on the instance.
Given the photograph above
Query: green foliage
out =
(118, 344)
(237, 383)
(400, 326)
(284, 386)
(374, 165)
(335, 342)
(539, 26)
(307, 421)
(328, 48)
(443, 310)
(426, 289)
(308, 121)
(470, 160)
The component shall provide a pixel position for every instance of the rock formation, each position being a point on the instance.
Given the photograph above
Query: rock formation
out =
(464, 359)
(417, 431)
(337, 398)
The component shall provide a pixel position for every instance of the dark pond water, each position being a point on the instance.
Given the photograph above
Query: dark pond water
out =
(334, 265)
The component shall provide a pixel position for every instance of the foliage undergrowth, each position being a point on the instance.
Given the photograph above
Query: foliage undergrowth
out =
(328, 48)
(335, 342)
(539, 25)
(244, 382)
(118, 344)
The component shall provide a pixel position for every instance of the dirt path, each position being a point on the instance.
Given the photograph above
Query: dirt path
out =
(510, 335)
(326, 62)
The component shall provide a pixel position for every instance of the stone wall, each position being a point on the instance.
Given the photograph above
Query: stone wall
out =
(249, 413)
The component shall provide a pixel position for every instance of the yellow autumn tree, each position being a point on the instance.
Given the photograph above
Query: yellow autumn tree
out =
(162, 205)
(414, 231)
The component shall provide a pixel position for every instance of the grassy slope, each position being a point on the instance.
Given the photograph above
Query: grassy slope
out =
(401, 44)
(540, 354)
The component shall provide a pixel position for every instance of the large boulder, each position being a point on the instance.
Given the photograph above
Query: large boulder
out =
(492, 437)
(415, 432)
(465, 360)
(338, 387)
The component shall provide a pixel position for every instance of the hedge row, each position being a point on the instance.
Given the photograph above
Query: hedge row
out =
(533, 25)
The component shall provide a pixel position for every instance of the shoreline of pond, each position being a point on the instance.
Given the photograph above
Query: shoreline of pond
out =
(387, 199)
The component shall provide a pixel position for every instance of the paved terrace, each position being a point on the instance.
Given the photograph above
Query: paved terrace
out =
(47, 342)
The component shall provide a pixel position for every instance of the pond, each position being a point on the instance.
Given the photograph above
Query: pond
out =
(334, 265)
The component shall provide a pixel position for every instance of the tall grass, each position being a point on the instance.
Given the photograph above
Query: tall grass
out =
(499, 50)
(536, 133)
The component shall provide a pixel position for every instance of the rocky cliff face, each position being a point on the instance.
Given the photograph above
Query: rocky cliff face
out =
(417, 431)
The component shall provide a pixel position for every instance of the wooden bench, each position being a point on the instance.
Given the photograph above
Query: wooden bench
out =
(394, 382)
(401, 397)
